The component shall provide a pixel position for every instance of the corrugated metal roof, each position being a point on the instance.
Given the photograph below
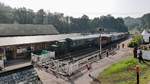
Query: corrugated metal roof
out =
(4, 41)
(17, 40)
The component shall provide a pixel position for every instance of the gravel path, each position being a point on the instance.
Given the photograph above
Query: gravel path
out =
(83, 76)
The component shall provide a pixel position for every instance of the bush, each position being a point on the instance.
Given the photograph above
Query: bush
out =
(136, 41)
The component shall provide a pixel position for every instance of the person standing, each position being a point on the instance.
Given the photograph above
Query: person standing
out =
(135, 52)
(118, 46)
(89, 66)
(140, 57)
(107, 53)
(123, 45)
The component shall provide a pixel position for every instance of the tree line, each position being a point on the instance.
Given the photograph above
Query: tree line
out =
(138, 24)
(64, 24)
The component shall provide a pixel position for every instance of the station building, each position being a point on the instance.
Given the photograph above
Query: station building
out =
(17, 40)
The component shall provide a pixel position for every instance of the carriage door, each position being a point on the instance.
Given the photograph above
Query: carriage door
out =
(9, 53)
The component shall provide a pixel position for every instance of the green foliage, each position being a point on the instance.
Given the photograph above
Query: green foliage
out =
(138, 24)
(135, 41)
(123, 73)
(133, 23)
(40, 17)
(112, 24)
(118, 67)
(146, 20)
(63, 24)
(6, 14)
(23, 16)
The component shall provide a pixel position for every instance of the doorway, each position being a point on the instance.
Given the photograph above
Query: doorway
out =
(9, 53)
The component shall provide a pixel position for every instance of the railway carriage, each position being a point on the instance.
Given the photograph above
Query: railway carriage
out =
(74, 44)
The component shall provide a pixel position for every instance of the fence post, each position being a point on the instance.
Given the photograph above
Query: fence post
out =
(137, 72)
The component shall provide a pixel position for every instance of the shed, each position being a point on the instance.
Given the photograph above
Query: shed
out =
(146, 36)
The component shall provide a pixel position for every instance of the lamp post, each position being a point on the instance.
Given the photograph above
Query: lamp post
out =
(100, 42)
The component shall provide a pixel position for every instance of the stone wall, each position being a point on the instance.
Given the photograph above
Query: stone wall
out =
(25, 75)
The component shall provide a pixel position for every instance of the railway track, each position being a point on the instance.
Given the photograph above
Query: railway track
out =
(78, 53)
(85, 53)
(78, 60)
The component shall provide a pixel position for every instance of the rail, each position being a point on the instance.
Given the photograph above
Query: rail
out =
(67, 68)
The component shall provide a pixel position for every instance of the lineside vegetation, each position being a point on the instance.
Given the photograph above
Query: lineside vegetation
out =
(123, 73)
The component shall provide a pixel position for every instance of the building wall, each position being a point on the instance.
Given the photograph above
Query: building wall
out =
(22, 51)
(146, 38)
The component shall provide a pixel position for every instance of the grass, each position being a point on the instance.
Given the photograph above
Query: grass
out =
(121, 73)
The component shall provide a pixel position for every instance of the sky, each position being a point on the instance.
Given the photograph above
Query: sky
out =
(92, 8)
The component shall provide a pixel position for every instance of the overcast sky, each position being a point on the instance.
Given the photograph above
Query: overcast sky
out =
(92, 8)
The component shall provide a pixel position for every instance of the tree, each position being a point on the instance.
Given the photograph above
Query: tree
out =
(111, 24)
(146, 20)
(84, 23)
(95, 22)
(6, 15)
(40, 16)
(64, 24)
(24, 16)
(121, 26)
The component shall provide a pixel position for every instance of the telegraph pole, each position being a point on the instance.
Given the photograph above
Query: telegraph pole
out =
(100, 42)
